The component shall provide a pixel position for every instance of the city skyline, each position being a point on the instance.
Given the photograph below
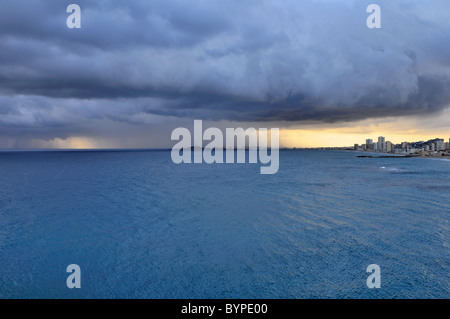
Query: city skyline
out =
(410, 147)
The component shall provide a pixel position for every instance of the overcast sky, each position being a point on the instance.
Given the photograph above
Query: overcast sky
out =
(138, 69)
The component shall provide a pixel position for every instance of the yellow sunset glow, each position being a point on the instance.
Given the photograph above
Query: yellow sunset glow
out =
(396, 130)
(70, 143)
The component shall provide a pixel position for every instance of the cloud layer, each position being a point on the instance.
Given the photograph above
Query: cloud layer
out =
(146, 63)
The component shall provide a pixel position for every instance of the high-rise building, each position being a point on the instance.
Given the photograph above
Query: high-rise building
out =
(374, 146)
(369, 144)
(440, 145)
(447, 146)
(389, 146)
(381, 143)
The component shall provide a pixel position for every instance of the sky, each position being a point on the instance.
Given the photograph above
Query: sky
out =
(136, 70)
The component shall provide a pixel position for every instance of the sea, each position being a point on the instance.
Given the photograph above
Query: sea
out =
(140, 226)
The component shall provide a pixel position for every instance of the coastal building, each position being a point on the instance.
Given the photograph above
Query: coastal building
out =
(440, 146)
(447, 146)
(389, 146)
(381, 143)
(369, 144)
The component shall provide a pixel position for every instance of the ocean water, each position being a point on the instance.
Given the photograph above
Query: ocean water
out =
(140, 226)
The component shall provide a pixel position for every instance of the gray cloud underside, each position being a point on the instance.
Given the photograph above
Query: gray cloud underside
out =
(137, 62)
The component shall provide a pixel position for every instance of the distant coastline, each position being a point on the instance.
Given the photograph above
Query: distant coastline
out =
(363, 154)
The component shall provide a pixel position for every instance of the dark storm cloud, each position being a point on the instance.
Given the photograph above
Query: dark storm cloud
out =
(249, 60)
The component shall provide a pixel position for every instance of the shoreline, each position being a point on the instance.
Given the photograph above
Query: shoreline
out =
(394, 155)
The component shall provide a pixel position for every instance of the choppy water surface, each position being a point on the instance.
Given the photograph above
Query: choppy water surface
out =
(140, 226)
